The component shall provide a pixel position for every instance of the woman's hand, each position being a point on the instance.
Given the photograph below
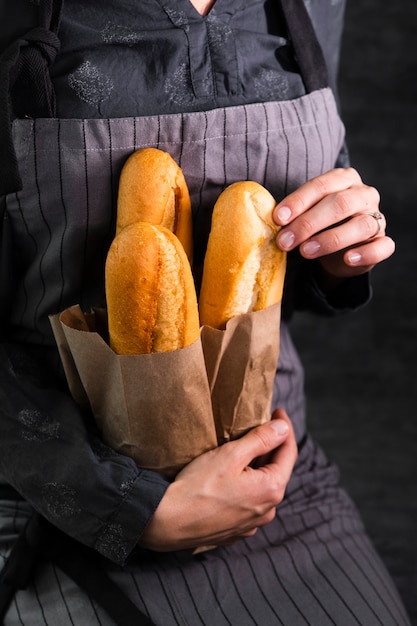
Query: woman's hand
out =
(219, 497)
(335, 219)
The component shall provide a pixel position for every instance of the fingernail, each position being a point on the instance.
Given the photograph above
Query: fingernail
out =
(286, 240)
(280, 426)
(311, 248)
(354, 258)
(283, 214)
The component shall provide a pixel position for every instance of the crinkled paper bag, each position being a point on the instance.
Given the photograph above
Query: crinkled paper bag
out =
(241, 364)
(155, 408)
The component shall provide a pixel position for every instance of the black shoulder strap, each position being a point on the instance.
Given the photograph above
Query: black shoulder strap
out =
(25, 84)
(309, 55)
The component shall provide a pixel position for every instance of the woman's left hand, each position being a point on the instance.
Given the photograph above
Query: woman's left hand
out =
(335, 219)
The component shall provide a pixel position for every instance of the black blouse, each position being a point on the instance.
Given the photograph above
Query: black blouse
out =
(121, 58)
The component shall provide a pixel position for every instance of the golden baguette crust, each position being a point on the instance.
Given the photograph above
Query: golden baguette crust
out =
(244, 269)
(152, 188)
(151, 299)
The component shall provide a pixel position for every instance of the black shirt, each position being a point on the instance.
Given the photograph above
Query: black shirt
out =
(121, 58)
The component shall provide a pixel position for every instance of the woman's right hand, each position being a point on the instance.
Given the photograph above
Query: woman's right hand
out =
(220, 496)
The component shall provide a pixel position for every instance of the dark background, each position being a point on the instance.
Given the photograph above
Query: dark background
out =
(361, 370)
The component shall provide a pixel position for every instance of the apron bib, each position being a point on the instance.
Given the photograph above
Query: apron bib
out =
(64, 218)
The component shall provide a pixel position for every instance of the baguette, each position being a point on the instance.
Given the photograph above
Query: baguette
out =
(152, 188)
(243, 269)
(151, 298)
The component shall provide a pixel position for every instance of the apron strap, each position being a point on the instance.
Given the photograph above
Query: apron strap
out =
(24, 67)
(308, 52)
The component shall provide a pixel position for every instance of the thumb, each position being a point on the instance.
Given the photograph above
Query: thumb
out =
(262, 439)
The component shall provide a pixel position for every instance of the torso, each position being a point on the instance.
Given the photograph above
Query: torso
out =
(278, 139)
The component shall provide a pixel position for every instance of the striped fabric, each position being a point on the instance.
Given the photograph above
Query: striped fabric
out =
(63, 220)
(312, 566)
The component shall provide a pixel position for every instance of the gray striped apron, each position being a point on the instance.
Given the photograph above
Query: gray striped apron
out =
(63, 230)
(313, 564)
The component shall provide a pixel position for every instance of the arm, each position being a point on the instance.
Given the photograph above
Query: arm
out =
(50, 452)
(104, 500)
(52, 457)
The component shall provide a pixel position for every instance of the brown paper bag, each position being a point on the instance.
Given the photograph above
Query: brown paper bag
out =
(241, 363)
(155, 408)
(164, 409)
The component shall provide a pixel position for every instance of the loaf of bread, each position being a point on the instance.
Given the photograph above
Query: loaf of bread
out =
(244, 269)
(152, 188)
(151, 298)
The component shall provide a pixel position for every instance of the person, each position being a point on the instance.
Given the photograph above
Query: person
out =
(234, 90)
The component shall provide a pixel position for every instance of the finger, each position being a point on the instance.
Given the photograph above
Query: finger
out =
(259, 441)
(360, 259)
(330, 213)
(314, 190)
(280, 413)
(359, 229)
(232, 540)
(249, 533)
(371, 253)
(281, 462)
(264, 459)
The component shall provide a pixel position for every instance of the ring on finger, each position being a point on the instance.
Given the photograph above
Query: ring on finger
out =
(378, 218)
